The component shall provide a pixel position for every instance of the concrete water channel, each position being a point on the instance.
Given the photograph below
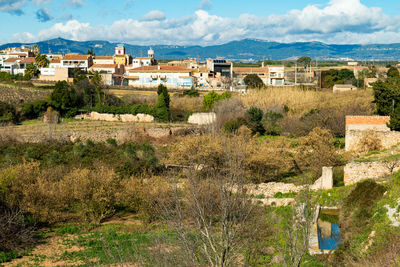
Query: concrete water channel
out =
(325, 231)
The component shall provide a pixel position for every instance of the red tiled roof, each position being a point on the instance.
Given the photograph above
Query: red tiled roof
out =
(76, 57)
(143, 58)
(159, 68)
(12, 59)
(18, 54)
(28, 60)
(55, 60)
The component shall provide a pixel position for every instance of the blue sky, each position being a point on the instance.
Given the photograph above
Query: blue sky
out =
(201, 22)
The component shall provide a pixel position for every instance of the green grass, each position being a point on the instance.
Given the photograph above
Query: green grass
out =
(285, 195)
(108, 246)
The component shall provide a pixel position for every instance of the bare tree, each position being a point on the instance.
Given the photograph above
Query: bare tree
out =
(214, 216)
(51, 118)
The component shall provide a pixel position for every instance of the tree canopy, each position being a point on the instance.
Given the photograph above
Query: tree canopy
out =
(253, 81)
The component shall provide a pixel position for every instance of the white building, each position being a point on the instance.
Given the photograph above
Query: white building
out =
(276, 75)
(103, 60)
(11, 65)
(75, 60)
(144, 61)
(152, 76)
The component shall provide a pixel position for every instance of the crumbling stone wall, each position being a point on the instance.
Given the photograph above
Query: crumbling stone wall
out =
(357, 126)
(358, 171)
(95, 116)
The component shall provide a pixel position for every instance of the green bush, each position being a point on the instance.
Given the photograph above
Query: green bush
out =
(192, 93)
(212, 97)
(254, 116)
(233, 126)
(271, 123)
(35, 109)
(8, 113)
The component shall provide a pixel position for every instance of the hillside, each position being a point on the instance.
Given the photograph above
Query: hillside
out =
(245, 50)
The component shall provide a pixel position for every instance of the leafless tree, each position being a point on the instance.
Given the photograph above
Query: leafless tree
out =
(51, 118)
(214, 216)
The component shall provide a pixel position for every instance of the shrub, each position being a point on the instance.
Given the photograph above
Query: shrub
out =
(271, 122)
(192, 93)
(34, 109)
(254, 116)
(212, 97)
(233, 126)
(8, 113)
(253, 81)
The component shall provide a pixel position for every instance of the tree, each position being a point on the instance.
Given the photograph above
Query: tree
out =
(41, 61)
(305, 61)
(212, 97)
(64, 97)
(254, 117)
(215, 218)
(30, 71)
(96, 81)
(162, 105)
(51, 118)
(253, 81)
(393, 73)
(8, 113)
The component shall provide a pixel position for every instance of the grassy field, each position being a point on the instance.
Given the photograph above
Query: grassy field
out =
(115, 242)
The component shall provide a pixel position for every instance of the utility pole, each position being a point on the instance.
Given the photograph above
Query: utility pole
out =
(295, 74)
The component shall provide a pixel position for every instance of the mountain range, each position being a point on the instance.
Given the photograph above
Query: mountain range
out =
(246, 50)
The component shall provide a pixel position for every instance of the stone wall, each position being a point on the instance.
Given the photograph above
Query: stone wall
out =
(95, 116)
(358, 171)
(357, 126)
(202, 118)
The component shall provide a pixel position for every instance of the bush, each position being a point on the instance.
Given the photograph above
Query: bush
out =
(233, 126)
(34, 109)
(192, 93)
(254, 116)
(271, 123)
(162, 112)
(253, 81)
(8, 113)
(212, 97)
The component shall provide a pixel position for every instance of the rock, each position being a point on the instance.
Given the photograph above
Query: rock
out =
(95, 116)
(325, 182)
(278, 258)
(202, 118)
(268, 250)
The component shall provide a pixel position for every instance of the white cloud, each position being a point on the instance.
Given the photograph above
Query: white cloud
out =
(154, 15)
(205, 4)
(75, 3)
(341, 21)
(41, 2)
(12, 6)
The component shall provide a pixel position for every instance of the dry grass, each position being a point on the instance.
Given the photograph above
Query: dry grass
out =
(186, 103)
(300, 101)
(16, 96)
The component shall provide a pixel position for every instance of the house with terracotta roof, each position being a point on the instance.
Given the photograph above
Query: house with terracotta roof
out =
(152, 76)
(75, 60)
(11, 65)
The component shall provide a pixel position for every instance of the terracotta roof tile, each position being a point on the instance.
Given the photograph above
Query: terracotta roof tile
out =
(76, 57)
(28, 60)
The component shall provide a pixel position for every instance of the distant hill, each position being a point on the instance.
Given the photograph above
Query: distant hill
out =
(243, 50)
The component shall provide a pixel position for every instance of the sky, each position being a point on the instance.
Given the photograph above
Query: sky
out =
(201, 22)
